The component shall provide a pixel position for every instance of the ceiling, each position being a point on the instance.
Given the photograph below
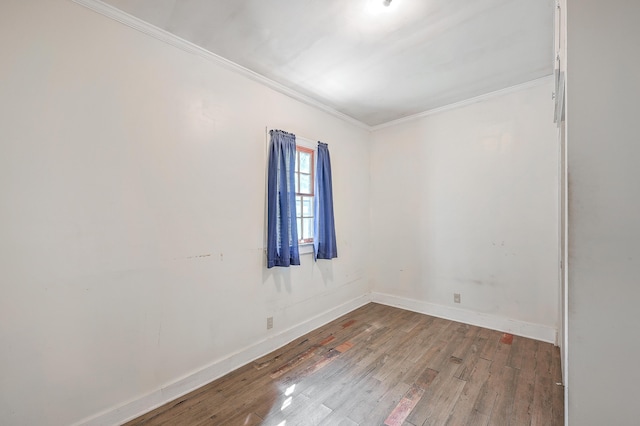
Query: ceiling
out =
(373, 63)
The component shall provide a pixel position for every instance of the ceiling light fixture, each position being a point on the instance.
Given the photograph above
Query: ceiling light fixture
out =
(386, 2)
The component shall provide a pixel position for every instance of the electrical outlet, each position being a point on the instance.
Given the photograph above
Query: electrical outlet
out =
(456, 297)
(269, 323)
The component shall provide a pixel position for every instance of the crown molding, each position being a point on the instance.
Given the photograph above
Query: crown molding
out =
(466, 102)
(158, 33)
(173, 40)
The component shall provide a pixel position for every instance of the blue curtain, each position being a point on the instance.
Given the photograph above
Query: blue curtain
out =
(282, 233)
(325, 232)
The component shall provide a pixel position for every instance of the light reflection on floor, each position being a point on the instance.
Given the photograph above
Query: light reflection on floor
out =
(290, 390)
(287, 402)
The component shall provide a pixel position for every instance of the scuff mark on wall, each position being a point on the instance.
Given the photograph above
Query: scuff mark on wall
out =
(197, 256)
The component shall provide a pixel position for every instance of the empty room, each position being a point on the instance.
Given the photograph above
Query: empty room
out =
(295, 212)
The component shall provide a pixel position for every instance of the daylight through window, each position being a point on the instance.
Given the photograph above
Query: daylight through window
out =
(304, 175)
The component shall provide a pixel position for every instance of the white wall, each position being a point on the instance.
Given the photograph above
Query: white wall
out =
(604, 210)
(132, 181)
(466, 201)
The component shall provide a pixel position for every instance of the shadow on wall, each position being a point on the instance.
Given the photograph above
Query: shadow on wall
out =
(281, 277)
(326, 270)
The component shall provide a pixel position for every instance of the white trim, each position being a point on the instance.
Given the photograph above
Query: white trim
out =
(138, 406)
(304, 249)
(169, 38)
(520, 328)
(130, 410)
(307, 143)
(466, 102)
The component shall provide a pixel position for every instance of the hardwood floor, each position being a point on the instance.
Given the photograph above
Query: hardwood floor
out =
(382, 365)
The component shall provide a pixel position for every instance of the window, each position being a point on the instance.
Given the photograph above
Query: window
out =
(299, 189)
(304, 185)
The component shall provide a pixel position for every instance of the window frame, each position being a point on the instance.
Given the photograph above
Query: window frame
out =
(303, 148)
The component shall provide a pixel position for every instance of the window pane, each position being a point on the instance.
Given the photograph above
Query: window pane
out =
(295, 178)
(299, 208)
(305, 162)
(307, 206)
(299, 228)
(305, 184)
(307, 227)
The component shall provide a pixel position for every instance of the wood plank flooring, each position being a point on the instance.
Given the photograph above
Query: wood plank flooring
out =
(380, 365)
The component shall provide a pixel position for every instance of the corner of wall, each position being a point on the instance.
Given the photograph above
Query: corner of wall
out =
(520, 328)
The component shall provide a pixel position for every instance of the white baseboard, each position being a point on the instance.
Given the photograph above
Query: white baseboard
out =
(138, 406)
(520, 328)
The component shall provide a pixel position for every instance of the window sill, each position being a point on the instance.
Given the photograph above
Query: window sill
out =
(306, 248)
